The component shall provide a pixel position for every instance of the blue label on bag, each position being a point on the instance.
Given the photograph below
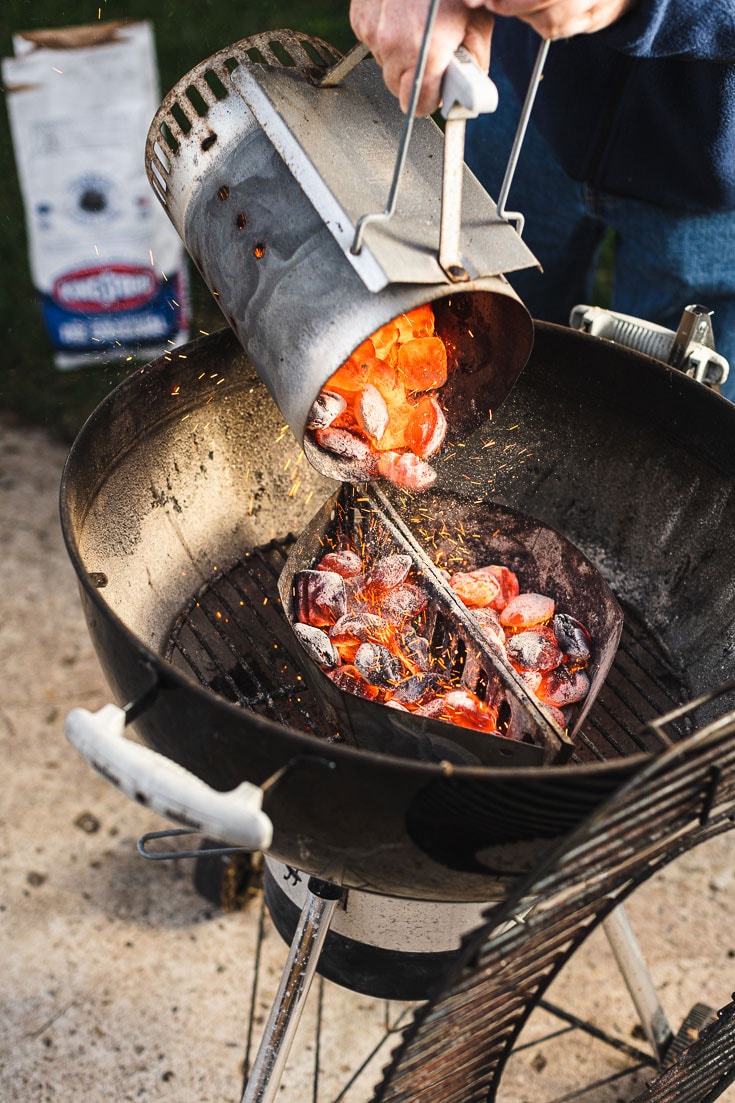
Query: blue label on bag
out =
(113, 305)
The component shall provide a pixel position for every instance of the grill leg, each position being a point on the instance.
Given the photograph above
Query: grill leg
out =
(264, 1081)
(638, 981)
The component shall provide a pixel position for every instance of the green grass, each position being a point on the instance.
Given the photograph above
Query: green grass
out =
(186, 34)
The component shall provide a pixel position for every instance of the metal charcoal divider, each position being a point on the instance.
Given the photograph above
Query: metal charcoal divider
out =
(368, 517)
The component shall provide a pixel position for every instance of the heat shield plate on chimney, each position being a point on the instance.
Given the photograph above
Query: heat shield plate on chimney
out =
(341, 144)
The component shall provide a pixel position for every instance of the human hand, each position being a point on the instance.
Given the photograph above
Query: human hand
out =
(393, 29)
(563, 18)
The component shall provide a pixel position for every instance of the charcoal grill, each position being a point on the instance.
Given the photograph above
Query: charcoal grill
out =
(185, 494)
(180, 501)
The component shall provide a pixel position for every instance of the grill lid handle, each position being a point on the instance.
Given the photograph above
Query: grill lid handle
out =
(690, 348)
(151, 779)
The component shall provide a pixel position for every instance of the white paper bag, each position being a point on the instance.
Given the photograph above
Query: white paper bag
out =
(109, 269)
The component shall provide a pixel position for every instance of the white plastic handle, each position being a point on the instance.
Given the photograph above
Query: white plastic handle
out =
(144, 775)
(467, 87)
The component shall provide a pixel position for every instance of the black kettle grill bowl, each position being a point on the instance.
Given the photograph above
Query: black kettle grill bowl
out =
(183, 493)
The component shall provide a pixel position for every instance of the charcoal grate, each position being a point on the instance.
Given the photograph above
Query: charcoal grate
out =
(234, 639)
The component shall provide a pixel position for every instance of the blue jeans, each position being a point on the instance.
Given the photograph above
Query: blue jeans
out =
(663, 260)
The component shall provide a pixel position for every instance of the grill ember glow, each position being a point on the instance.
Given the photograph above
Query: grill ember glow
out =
(380, 412)
(364, 624)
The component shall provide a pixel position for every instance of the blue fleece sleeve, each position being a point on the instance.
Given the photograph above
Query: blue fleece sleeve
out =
(675, 28)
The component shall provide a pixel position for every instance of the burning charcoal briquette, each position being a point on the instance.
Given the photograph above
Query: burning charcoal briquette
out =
(342, 561)
(562, 687)
(405, 469)
(507, 580)
(417, 689)
(475, 590)
(378, 665)
(490, 623)
(389, 571)
(532, 650)
(406, 601)
(461, 706)
(350, 680)
(427, 429)
(326, 409)
(349, 449)
(371, 412)
(354, 629)
(573, 637)
(527, 610)
(317, 646)
(320, 597)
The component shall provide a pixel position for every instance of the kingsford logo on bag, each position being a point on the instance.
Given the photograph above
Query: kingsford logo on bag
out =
(108, 267)
(107, 289)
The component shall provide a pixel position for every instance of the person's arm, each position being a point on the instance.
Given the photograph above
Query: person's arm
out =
(393, 30)
(563, 18)
(677, 28)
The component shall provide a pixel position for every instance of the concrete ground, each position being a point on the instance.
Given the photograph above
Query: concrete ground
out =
(121, 982)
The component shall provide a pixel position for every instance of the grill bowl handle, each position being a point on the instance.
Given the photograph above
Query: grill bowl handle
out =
(151, 779)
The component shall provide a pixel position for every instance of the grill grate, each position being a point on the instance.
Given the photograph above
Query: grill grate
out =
(234, 639)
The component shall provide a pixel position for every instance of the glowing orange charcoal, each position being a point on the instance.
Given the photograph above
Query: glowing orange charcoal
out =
(427, 427)
(320, 597)
(361, 621)
(404, 602)
(509, 585)
(405, 329)
(531, 650)
(563, 687)
(350, 680)
(378, 665)
(405, 469)
(488, 620)
(343, 561)
(527, 610)
(388, 571)
(354, 629)
(385, 339)
(532, 678)
(402, 356)
(473, 590)
(423, 363)
(349, 379)
(385, 377)
(394, 437)
(422, 320)
(363, 352)
(461, 706)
